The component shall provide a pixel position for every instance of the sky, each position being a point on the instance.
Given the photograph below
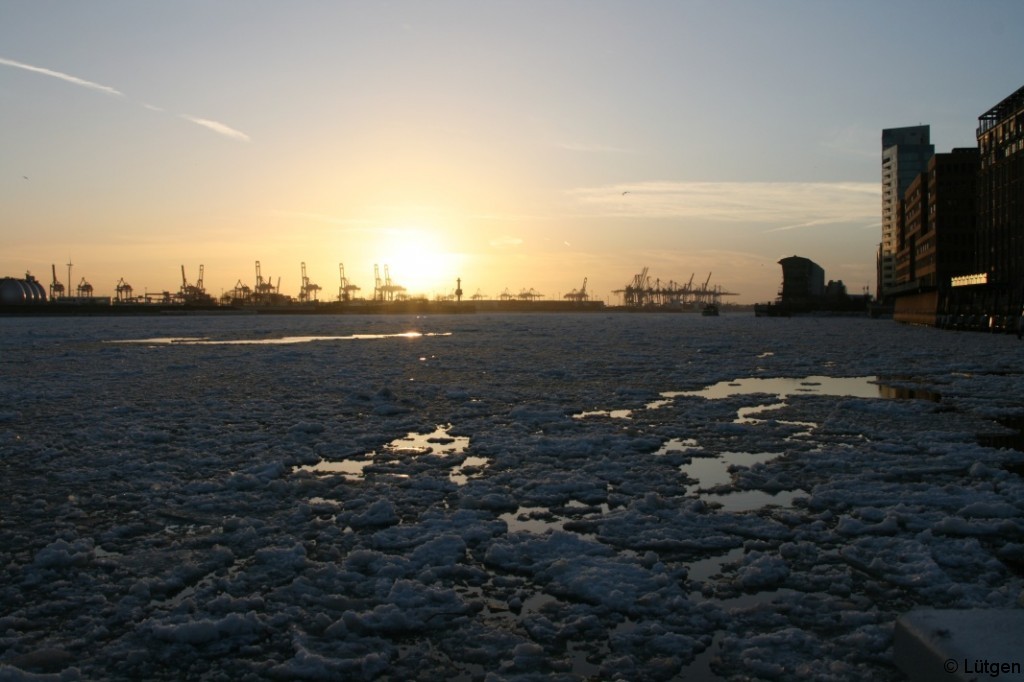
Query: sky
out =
(515, 145)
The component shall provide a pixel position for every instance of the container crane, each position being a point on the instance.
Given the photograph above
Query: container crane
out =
(124, 291)
(84, 289)
(308, 291)
(346, 288)
(578, 296)
(192, 293)
(56, 287)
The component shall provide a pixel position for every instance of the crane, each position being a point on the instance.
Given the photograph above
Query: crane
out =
(124, 291)
(346, 288)
(578, 296)
(84, 289)
(192, 293)
(308, 290)
(264, 288)
(56, 287)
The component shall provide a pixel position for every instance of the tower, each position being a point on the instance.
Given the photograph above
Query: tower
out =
(905, 154)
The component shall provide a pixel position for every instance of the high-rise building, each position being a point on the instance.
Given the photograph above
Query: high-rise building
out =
(905, 154)
(1000, 246)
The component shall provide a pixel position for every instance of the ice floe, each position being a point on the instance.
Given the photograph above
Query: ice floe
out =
(571, 497)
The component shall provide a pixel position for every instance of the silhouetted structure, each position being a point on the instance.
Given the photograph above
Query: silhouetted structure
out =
(905, 154)
(804, 291)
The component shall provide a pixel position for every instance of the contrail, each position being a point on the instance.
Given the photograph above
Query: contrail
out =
(63, 76)
(215, 126)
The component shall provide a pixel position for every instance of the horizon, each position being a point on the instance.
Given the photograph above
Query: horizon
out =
(513, 145)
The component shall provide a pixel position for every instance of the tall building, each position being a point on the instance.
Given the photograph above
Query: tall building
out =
(935, 238)
(905, 154)
(952, 195)
(1000, 247)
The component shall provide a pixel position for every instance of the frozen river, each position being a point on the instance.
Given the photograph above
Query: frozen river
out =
(509, 497)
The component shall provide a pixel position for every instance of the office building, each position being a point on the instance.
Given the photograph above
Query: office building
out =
(905, 155)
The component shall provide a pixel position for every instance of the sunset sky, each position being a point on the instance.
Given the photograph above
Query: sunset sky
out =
(516, 145)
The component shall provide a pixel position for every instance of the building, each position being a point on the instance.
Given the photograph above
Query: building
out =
(804, 291)
(935, 235)
(990, 295)
(803, 280)
(905, 155)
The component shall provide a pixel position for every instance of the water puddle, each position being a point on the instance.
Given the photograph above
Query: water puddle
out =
(349, 469)
(678, 445)
(542, 520)
(713, 472)
(753, 500)
(613, 414)
(851, 387)
(285, 340)
(437, 442)
(471, 467)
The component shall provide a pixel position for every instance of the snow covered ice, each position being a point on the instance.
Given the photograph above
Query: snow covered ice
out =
(496, 497)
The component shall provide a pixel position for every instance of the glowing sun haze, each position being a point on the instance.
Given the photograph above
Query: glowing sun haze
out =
(516, 145)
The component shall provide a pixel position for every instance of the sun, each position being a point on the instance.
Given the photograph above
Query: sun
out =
(417, 259)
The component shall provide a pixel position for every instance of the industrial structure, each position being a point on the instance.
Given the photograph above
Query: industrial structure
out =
(384, 289)
(20, 291)
(264, 296)
(308, 291)
(346, 288)
(643, 292)
(578, 296)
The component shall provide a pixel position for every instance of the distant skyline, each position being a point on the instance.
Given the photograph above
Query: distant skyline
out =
(516, 145)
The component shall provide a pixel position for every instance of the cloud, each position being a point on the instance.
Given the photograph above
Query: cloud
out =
(62, 76)
(777, 206)
(217, 127)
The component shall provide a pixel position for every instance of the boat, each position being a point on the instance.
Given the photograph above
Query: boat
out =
(710, 310)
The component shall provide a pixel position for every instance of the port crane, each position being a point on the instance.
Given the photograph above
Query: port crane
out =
(384, 289)
(641, 293)
(308, 292)
(578, 296)
(124, 291)
(264, 290)
(84, 289)
(192, 293)
(56, 286)
(346, 288)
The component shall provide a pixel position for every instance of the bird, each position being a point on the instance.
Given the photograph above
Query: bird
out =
(625, 193)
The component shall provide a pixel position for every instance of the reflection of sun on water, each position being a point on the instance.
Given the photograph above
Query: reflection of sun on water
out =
(418, 261)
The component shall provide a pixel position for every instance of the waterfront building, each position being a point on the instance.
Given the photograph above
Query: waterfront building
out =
(905, 155)
(935, 235)
(803, 280)
(990, 295)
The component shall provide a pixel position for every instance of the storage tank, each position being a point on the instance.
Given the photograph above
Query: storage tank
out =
(21, 291)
